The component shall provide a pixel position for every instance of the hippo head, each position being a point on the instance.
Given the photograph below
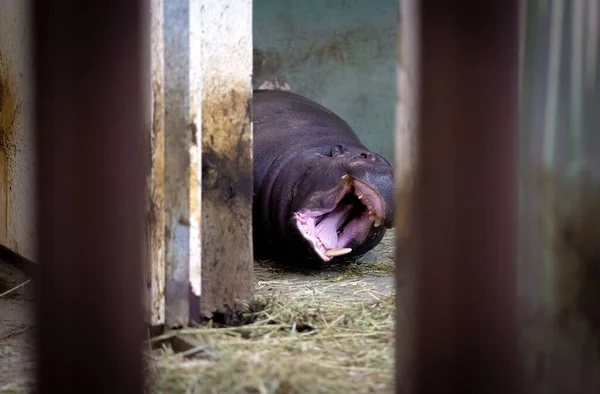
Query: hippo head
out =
(344, 202)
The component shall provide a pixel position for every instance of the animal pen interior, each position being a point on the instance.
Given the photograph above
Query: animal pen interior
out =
(490, 111)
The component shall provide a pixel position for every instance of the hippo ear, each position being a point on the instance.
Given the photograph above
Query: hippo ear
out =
(338, 150)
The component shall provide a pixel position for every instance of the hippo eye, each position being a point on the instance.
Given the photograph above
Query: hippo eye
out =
(338, 150)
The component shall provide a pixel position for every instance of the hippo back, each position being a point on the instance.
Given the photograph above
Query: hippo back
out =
(286, 123)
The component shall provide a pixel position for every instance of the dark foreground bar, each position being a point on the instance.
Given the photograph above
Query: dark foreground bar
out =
(465, 213)
(88, 81)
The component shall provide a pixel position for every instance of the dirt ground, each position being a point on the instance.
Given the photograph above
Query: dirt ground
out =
(371, 279)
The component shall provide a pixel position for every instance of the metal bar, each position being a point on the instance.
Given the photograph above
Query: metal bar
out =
(465, 213)
(89, 126)
(407, 87)
(182, 157)
(407, 90)
(227, 255)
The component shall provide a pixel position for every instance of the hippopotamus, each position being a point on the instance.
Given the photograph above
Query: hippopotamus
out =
(319, 193)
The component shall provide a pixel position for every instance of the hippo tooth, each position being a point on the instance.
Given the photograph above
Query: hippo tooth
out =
(360, 196)
(337, 252)
(376, 219)
(348, 181)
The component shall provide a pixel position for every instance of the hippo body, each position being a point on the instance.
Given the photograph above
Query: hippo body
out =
(319, 193)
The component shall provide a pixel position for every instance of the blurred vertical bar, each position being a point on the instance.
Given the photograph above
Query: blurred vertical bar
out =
(407, 89)
(559, 174)
(466, 196)
(89, 126)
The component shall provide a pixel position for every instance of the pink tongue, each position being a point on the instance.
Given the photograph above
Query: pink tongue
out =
(327, 229)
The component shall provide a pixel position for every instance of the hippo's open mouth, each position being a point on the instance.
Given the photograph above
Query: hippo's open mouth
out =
(330, 231)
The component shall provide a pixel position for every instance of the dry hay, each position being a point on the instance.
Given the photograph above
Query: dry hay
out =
(320, 332)
(376, 263)
(333, 333)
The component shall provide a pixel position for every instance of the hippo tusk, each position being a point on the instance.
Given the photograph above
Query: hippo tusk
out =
(337, 252)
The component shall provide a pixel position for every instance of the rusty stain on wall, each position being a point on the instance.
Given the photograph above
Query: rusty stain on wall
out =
(9, 110)
(224, 155)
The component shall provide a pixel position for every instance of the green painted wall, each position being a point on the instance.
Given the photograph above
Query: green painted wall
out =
(340, 53)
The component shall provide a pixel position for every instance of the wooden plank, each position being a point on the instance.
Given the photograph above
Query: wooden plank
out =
(89, 120)
(181, 26)
(227, 256)
(17, 153)
(154, 272)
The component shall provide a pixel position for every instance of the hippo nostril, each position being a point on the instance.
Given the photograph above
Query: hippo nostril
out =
(367, 156)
